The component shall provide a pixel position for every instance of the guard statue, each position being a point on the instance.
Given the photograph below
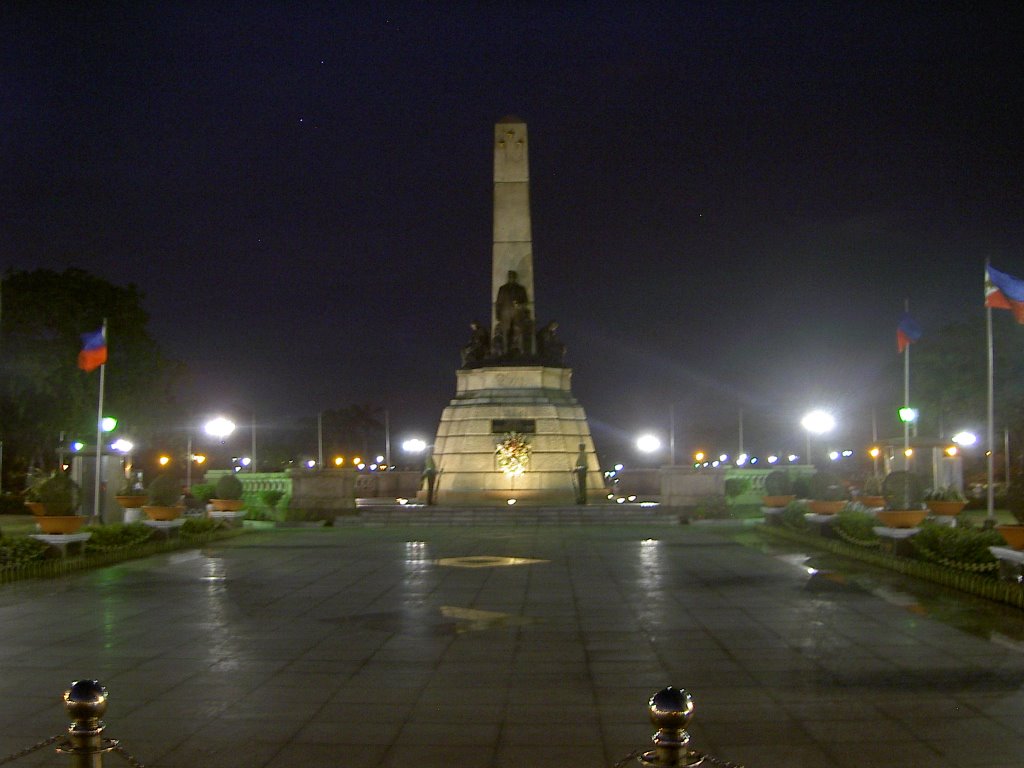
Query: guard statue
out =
(429, 477)
(579, 474)
(479, 345)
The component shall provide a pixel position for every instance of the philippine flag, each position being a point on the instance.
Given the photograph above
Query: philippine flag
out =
(1004, 292)
(907, 332)
(94, 350)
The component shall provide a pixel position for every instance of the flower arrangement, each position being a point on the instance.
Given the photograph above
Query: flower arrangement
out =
(513, 454)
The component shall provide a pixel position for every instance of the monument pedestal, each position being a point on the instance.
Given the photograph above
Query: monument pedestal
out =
(492, 402)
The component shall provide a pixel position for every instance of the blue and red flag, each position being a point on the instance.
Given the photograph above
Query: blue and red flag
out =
(907, 332)
(94, 350)
(1003, 291)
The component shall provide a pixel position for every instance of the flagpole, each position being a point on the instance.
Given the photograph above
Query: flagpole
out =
(99, 436)
(906, 394)
(991, 408)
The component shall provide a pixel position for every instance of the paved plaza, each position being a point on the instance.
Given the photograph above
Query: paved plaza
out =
(532, 646)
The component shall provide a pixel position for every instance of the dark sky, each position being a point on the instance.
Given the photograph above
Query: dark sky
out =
(730, 200)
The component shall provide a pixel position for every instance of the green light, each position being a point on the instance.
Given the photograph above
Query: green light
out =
(908, 415)
(108, 423)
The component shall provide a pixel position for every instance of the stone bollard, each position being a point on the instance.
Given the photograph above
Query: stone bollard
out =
(670, 710)
(85, 702)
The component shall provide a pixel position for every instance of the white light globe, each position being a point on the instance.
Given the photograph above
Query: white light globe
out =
(648, 443)
(818, 422)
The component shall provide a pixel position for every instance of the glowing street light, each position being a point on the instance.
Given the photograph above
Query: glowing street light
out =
(648, 443)
(164, 460)
(414, 445)
(816, 422)
(108, 423)
(219, 427)
(965, 439)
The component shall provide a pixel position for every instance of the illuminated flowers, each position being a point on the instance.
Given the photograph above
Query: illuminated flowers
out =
(513, 454)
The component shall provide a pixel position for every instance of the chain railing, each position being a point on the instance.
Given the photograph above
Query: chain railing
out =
(670, 710)
(85, 702)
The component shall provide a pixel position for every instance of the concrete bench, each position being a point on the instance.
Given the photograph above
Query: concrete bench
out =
(61, 542)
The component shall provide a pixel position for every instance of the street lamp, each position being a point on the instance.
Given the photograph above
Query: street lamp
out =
(648, 443)
(816, 422)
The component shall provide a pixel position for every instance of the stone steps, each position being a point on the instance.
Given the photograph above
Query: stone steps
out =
(611, 514)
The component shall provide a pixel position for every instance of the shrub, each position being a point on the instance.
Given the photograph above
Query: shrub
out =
(116, 536)
(709, 508)
(856, 525)
(203, 492)
(20, 551)
(59, 494)
(777, 483)
(736, 486)
(902, 490)
(959, 545)
(872, 485)
(163, 491)
(273, 497)
(793, 515)
(826, 486)
(197, 526)
(801, 487)
(947, 493)
(228, 487)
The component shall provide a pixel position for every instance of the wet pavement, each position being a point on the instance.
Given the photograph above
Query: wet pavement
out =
(526, 646)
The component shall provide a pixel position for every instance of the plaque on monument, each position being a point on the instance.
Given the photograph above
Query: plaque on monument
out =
(522, 426)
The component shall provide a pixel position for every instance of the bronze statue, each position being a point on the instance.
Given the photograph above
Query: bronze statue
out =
(479, 345)
(513, 332)
(549, 347)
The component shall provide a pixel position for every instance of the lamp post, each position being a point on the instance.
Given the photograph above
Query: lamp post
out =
(816, 422)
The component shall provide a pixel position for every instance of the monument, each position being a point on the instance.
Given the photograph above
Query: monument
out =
(513, 434)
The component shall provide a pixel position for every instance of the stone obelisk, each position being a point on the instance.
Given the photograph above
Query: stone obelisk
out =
(513, 434)
(513, 237)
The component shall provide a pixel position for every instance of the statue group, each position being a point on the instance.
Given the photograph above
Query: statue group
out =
(514, 340)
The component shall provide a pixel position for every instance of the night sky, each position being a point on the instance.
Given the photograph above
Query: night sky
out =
(730, 200)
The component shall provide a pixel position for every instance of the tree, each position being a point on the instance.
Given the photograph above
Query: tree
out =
(949, 377)
(42, 391)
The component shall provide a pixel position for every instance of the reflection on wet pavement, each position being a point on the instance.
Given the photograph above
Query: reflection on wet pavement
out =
(982, 618)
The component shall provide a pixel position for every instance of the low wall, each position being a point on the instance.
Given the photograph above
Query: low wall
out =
(324, 490)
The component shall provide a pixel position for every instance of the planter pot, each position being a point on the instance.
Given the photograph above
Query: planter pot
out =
(873, 501)
(776, 501)
(825, 507)
(901, 518)
(162, 513)
(227, 505)
(948, 508)
(1014, 535)
(60, 523)
(131, 502)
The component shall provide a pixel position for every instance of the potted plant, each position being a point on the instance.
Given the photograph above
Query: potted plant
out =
(57, 498)
(904, 500)
(131, 495)
(828, 494)
(1014, 534)
(871, 494)
(947, 501)
(228, 494)
(778, 491)
(163, 494)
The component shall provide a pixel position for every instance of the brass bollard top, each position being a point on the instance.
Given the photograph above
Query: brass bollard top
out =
(671, 708)
(85, 702)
